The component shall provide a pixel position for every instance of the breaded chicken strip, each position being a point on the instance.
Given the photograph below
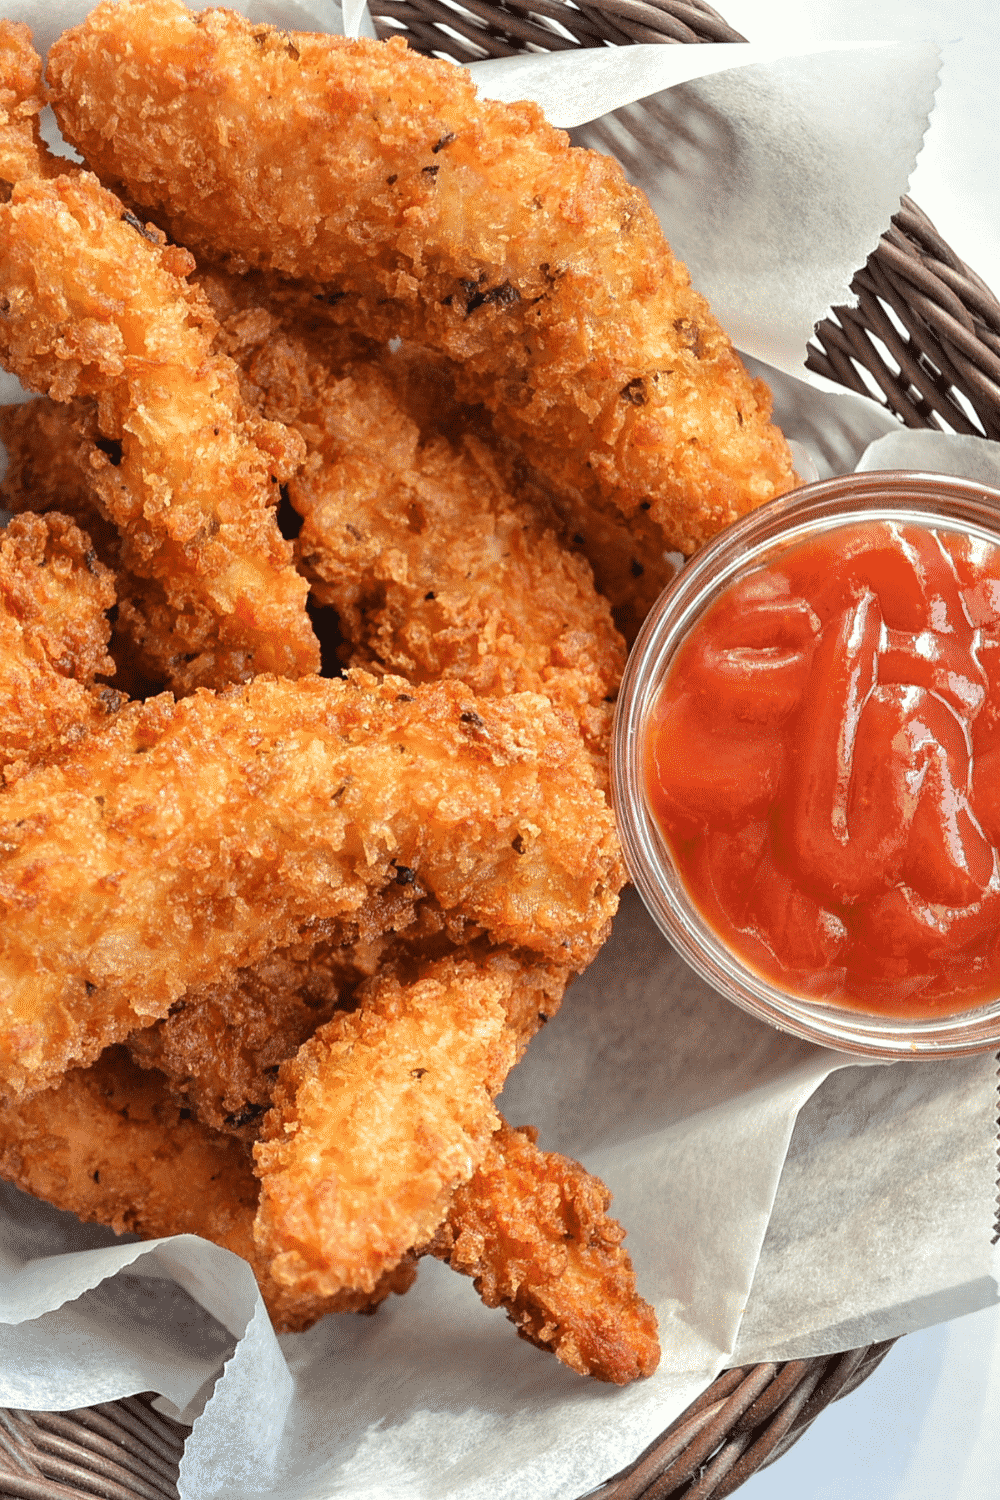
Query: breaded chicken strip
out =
(54, 630)
(434, 567)
(380, 1117)
(110, 1144)
(23, 153)
(629, 556)
(192, 839)
(468, 226)
(96, 304)
(221, 1045)
(47, 444)
(532, 1228)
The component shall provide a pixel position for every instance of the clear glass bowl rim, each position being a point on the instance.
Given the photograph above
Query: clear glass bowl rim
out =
(931, 499)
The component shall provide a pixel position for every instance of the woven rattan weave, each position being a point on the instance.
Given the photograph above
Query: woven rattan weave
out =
(925, 339)
(475, 29)
(121, 1450)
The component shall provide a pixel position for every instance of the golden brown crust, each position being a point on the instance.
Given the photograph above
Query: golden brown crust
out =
(111, 1145)
(47, 444)
(97, 305)
(192, 839)
(379, 1117)
(435, 567)
(469, 226)
(22, 99)
(532, 1229)
(54, 631)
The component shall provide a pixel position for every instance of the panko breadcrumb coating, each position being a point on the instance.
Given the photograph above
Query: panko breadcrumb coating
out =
(434, 567)
(376, 1120)
(222, 1044)
(110, 1144)
(468, 226)
(97, 304)
(328, 914)
(191, 839)
(54, 630)
(22, 99)
(532, 1228)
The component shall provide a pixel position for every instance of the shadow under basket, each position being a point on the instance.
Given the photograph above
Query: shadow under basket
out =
(924, 340)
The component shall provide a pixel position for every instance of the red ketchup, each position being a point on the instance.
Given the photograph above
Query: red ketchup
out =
(824, 761)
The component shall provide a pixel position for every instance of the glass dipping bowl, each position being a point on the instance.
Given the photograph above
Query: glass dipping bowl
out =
(927, 500)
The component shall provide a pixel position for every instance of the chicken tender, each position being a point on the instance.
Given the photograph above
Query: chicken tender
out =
(97, 304)
(48, 444)
(221, 1045)
(468, 226)
(23, 153)
(532, 1228)
(378, 1119)
(189, 840)
(54, 630)
(109, 1144)
(434, 567)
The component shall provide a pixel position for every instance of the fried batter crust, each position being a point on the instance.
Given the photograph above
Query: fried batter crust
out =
(109, 1144)
(191, 839)
(379, 1118)
(532, 1228)
(47, 444)
(221, 1045)
(22, 99)
(54, 630)
(434, 567)
(466, 225)
(96, 304)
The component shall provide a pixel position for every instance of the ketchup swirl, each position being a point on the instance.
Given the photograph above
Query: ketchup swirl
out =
(824, 761)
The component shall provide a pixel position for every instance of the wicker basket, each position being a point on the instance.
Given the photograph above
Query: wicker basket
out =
(925, 341)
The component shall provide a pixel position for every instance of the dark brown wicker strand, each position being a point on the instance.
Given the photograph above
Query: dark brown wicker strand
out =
(746, 1419)
(943, 369)
(941, 365)
(60, 1427)
(756, 1454)
(98, 1424)
(57, 1436)
(138, 1419)
(121, 1450)
(60, 1455)
(20, 1487)
(500, 30)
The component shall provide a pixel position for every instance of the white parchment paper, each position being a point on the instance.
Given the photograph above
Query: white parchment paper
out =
(778, 1197)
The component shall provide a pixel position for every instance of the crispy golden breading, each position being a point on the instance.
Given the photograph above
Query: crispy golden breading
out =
(98, 305)
(322, 918)
(191, 839)
(434, 567)
(631, 563)
(48, 444)
(466, 225)
(532, 1228)
(221, 1045)
(22, 99)
(376, 1121)
(629, 555)
(54, 630)
(110, 1144)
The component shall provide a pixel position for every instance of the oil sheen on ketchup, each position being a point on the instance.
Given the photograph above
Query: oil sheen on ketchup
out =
(824, 762)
